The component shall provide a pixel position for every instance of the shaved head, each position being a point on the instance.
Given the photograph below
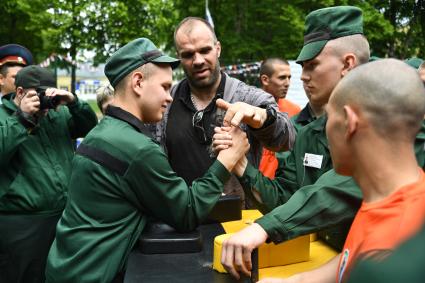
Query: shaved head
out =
(388, 92)
(356, 44)
(147, 70)
(267, 66)
(187, 25)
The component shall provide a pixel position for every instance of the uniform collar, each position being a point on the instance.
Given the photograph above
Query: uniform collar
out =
(120, 114)
(320, 123)
(8, 101)
(305, 115)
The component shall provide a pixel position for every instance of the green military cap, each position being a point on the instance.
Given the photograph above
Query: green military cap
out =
(326, 24)
(414, 62)
(35, 77)
(133, 55)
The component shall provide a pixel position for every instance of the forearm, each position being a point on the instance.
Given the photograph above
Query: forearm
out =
(279, 136)
(154, 183)
(269, 193)
(331, 201)
(323, 274)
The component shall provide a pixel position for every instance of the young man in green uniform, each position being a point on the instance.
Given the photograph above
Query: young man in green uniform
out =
(374, 109)
(121, 176)
(334, 44)
(36, 150)
(314, 197)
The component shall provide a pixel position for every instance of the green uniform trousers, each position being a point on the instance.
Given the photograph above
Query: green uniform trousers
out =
(24, 244)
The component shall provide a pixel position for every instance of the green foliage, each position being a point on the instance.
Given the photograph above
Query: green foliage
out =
(405, 20)
(249, 30)
(252, 30)
(23, 22)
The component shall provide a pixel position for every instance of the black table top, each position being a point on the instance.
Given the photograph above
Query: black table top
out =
(175, 268)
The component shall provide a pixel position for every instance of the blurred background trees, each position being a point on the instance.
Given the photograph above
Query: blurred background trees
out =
(249, 30)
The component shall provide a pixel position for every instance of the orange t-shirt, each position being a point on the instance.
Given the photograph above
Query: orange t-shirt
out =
(268, 163)
(380, 226)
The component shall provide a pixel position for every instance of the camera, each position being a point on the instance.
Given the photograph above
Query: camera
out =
(48, 102)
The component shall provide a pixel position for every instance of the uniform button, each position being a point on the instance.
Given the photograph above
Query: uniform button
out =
(277, 237)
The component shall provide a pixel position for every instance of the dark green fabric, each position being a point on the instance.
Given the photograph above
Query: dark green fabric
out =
(35, 167)
(24, 245)
(414, 62)
(106, 212)
(291, 173)
(303, 118)
(133, 55)
(406, 264)
(332, 200)
(329, 23)
(34, 173)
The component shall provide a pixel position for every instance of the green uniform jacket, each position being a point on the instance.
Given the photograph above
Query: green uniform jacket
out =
(291, 173)
(303, 118)
(109, 205)
(35, 167)
(332, 200)
(406, 264)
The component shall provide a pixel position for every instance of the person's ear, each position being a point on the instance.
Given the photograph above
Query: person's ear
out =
(349, 61)
(19, 95)
(351, 121)
(137, 82)
(19, 92)
(264, 80)
(218, 46)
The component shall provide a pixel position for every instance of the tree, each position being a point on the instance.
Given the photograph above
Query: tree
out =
(103, 26)
(23, 22)
(253, 30)
(407, 18)
(249, 30)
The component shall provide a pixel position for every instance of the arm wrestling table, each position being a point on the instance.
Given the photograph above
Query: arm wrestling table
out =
(197, 267)
(175, 268)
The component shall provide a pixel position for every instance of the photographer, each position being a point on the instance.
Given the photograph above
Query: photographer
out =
(36, 151)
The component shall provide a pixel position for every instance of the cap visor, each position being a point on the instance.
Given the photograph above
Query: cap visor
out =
(174, 63)
(311, 50)
(43, 87)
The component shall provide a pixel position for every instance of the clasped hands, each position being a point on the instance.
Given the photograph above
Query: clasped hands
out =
(236, 250)
(236, 113)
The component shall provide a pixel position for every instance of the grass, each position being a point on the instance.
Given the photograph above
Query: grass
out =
(93, 106)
